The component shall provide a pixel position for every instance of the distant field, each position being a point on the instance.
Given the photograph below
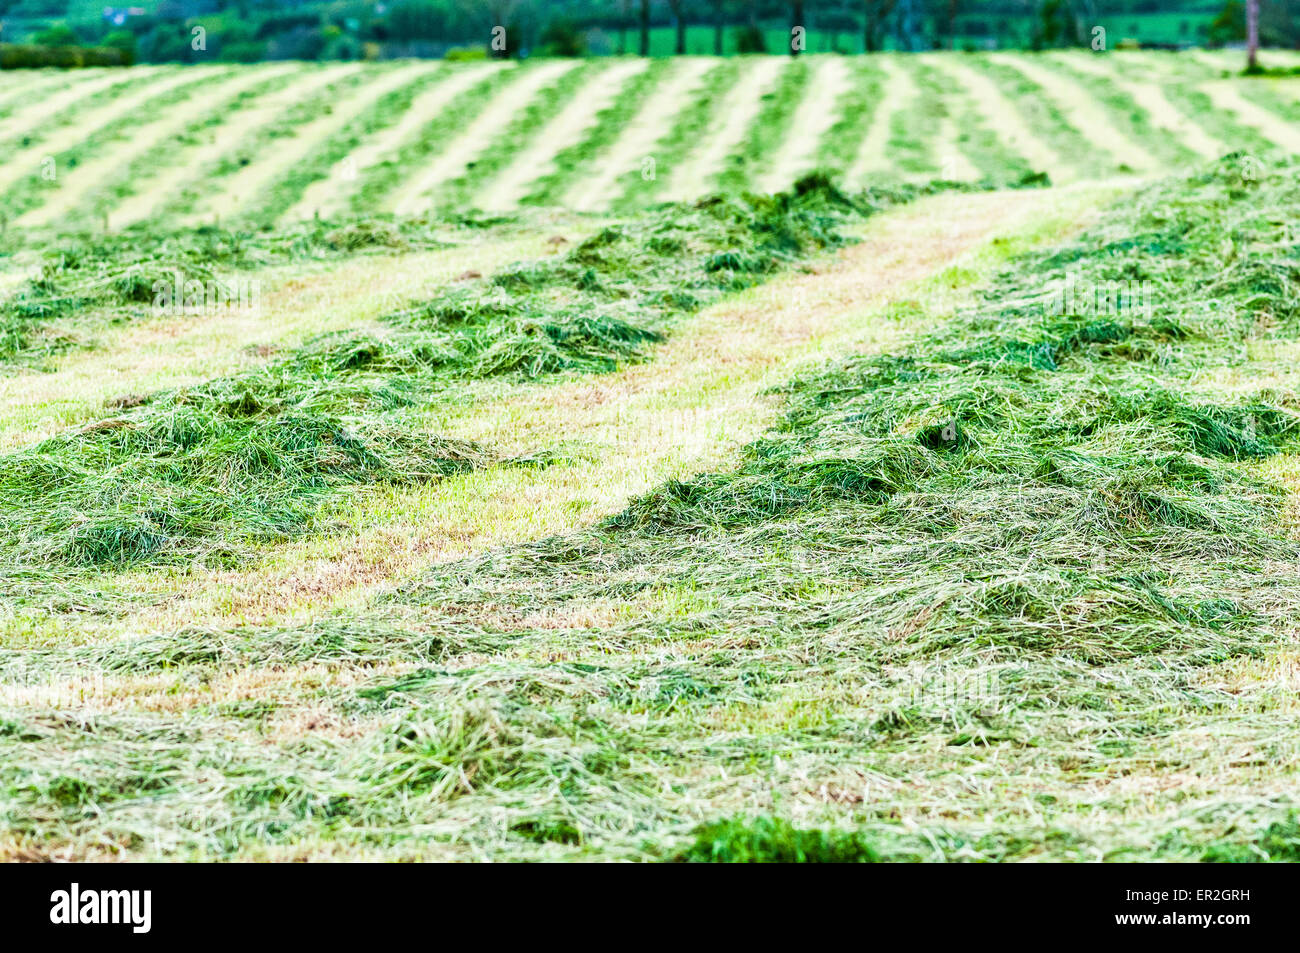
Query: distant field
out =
(281, 142)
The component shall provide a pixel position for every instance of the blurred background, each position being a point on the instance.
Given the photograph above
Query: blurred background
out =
(85, 32)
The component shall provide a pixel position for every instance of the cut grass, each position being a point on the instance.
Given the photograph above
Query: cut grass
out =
(374, 109)
(303, 146)
(53, 143)
(814, 116)
(1102, 126)
(562, 101)
(330, 197)
(115, 177)
(772, 125)
(1045, 117)
(115, 277)
(839, 148)
(461, 139)
(1151, 94)
(107, 352)
(1020, 586)
(661, 112)
(204, 471)
(511, 93)
(580, 137)
(387, 794)
(1001, 116)
(994, 571)
(896, 94)
(688, 409)
(1013, 563)
(274, 117)
(700, 170)
(197, 473)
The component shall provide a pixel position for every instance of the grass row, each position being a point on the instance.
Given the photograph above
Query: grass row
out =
(68, 115)
(1130, 118)
(32, 190)
(981, 145)
(839, 148)
(999, 562)
(769, 128)
(95, 278)
(108, 195)
(1044, 117)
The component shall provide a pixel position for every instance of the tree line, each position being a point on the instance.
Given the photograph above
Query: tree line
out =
(253, 30)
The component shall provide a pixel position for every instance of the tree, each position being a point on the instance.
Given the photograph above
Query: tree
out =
(60, 34)
(123, 40)
(416, 20)
(876, 12)
(945, 21)
(1058, 25)
(680, 23)
(836, 18)
(749, 38)
(1279, 23)
(645, 27)
(910, 25)
(1252, 35)
(1230, 24)
(562, 38)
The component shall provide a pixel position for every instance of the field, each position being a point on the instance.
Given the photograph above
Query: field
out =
(832, 458)
(159, 147)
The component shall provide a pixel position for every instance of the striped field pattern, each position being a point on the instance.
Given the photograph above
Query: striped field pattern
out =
(285, 142)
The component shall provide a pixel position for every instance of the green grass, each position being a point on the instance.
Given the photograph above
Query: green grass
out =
(911, 150)
(129, 83)
(203, 473)
(380, 180)
(86, 280)
(572, 162)
(259, 141)
(198, 473)
(463, 192)
(979, 598)
(770, 127)
(282, 194)
(775, 841)
(682, 135)
(1130, 118)
(839, 147)
(90, 214)
(1017, 585)
(1182, 91)
(31, 190)
(981, 145)
(1044, 118)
